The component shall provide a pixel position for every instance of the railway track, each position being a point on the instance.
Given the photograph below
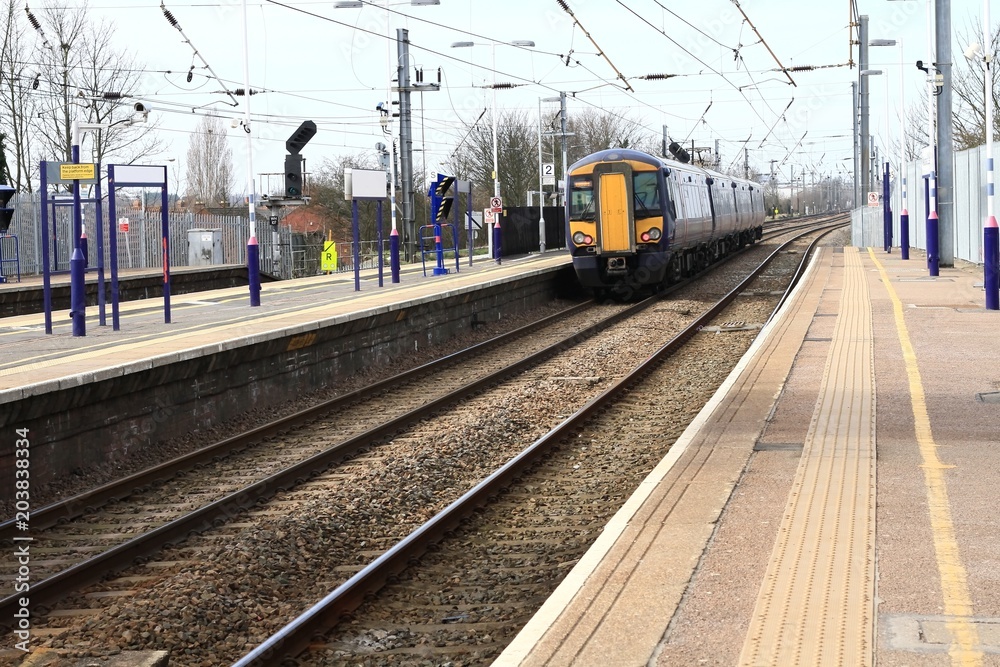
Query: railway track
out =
(480, 579)
(89, 532)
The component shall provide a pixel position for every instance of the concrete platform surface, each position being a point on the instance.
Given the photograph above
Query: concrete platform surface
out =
(31, 358)
(834, 504)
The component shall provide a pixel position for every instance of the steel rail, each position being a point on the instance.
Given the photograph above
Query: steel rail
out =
(296, 636)
(75, 506)
(96, 568)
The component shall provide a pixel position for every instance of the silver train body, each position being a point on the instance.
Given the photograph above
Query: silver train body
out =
(636, 222)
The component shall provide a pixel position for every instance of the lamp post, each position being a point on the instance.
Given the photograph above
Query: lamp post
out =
(524, 43)
(562, 134)
(886, 209)
(931, 178)
(904, 216)
(385, 119)
(991, 232)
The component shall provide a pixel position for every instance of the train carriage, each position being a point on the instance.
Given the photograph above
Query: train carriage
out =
(636, 222)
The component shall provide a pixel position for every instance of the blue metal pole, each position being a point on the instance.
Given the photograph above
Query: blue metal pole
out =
(497, 237)
(933, 252)
(456, 229)
(84, 246)
(165, 219)
(378, 235)
(991, 262)
(78, 295)
(253, 269)
(357, 245)
(468, 216)
(394, 254)
(102, 318)
(991, 234)
(904, 234)
(439, 269)
(886, 211)
(77, 263)
(113, 246)
(927, 213)
(46, 277)
(77, 211)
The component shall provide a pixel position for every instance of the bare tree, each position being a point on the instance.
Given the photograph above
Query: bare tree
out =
(85, 78)
(517, 157)
(969, 113)
(597, 130)
(17, 106)
(326, 188)
(209, 163)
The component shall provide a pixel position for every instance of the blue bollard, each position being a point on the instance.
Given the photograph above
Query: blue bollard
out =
(497, 238)
(83, 249)
(253, 270)
(991, 264)
(78, 294)
(933, 253)
(439, 269)
(394, 255)
(904, 235)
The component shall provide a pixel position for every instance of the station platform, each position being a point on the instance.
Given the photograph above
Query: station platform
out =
(834, 504)
(29, 357)
(26, 295)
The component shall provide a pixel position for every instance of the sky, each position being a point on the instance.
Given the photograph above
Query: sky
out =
(330, 65)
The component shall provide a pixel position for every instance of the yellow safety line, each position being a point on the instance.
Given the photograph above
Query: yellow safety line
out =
(954, 581)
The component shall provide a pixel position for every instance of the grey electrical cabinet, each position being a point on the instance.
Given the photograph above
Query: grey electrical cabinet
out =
(204, 247)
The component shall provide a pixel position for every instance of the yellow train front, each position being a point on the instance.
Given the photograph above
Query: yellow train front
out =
(636, 222)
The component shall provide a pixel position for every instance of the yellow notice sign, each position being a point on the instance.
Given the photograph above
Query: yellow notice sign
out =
(328, 261)
(77, 172)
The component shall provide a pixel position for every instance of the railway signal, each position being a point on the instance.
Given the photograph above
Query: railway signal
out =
(6, 212)
(293, 161)
(441, 202)
(441, 199)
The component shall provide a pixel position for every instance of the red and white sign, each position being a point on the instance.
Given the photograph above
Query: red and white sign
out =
(496, 204)
(873, 199)
(488, 216)
(123, 224)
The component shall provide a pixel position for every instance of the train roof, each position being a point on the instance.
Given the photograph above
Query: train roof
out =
(615, 154)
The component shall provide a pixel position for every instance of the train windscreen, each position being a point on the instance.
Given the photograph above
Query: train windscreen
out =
(581, 202)
(646, 195)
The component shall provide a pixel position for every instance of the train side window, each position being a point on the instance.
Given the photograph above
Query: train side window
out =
(581, 202)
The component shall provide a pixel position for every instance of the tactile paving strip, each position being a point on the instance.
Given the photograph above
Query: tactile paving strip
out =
(816, 603)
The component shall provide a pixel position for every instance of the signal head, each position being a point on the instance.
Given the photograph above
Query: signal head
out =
(6, 214)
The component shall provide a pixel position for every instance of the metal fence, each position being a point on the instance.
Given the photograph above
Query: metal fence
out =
(969, 211)
(139, 235)
(140, 241)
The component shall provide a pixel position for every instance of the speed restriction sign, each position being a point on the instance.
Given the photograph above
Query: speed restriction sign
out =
(496, 204)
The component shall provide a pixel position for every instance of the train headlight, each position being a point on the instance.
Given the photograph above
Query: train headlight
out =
(580, 238)
(654, 233)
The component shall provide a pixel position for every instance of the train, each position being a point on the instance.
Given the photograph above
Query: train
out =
(636, 223)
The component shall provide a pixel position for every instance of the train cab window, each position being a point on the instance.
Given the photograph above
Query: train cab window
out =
(646, 195)
(581, 198)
